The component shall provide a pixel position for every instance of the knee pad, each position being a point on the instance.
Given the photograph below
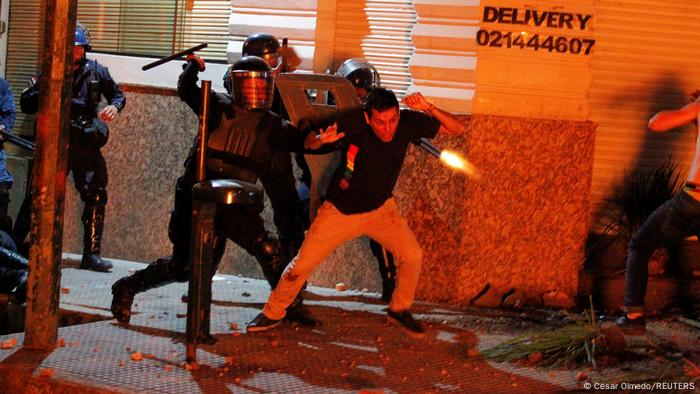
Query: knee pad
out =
(267, 249)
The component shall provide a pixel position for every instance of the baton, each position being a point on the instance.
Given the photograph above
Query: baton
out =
(174, 56)
(21, 142)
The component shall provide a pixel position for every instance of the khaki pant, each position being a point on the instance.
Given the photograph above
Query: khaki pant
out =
(330, 229)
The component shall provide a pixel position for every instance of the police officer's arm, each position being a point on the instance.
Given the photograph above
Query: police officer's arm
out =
(191, 94)
(7, 106)
(29, 101)
(449, 124)
(114, 95)
(667, 120)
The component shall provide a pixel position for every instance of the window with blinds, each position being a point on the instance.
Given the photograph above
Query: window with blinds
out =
(157, 27)
(23, 48)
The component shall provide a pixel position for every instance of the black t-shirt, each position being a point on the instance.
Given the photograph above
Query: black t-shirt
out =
(369, 168)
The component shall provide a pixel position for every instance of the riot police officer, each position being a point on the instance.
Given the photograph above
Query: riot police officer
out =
(281, 186)
(88, 133)
(244, 138)
(361, 74)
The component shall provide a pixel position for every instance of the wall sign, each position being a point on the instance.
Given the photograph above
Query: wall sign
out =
(566, 21)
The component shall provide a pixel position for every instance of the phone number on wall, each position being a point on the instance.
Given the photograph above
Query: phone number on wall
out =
(495, 38)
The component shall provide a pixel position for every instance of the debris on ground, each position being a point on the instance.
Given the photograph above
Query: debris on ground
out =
(46, 372)
(136, 356)
(9, 344)
(575, 343)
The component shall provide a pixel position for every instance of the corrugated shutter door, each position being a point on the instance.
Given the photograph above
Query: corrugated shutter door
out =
(379, 31)
(24, 37)
(646, 59)
(295, 20)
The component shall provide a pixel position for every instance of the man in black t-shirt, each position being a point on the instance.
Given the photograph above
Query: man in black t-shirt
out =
(373, 141)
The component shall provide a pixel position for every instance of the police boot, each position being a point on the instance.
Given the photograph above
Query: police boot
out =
(387, 269)
(159, 273)
(14, 274)
(13, 260)
(14, 282)
(93, 225)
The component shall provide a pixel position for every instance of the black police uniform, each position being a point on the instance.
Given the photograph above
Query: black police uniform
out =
(88, 134)
(242, 145)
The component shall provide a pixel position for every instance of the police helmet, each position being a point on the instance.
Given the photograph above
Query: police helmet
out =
(82, 37)
(262, 45)
(360, 73)
(258, 91)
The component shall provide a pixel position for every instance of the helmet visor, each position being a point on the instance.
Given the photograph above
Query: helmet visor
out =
(253, 89)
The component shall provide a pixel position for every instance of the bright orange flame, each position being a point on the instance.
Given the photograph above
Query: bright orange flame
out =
(453, 160)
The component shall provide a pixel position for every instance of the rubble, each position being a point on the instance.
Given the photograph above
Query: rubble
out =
(46, 372)
(9, 343)
(489, 297)
(557, 299)
(514, 300)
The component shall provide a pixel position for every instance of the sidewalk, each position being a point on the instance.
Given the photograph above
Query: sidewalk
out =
(355, 350)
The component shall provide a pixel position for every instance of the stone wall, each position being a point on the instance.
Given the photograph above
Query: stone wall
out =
(521, 225)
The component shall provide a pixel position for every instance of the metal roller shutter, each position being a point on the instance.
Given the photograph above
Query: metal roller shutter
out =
(379, 31)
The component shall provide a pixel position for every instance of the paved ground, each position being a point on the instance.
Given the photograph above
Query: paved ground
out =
(354, 351)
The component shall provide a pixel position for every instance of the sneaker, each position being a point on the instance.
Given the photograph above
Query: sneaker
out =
(629, 326)
(300, 314)
(406, 322)
(94, 262)
(262, 323)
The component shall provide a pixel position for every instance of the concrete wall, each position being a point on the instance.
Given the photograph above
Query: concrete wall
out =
(521, 225)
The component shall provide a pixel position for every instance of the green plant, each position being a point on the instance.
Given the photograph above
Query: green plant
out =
(642, 192)
(634, 200)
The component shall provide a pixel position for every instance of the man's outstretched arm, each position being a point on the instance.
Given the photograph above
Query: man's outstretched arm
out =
(670, 119)
(449, 124)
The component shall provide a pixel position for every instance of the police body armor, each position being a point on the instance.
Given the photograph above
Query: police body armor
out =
(239, 147)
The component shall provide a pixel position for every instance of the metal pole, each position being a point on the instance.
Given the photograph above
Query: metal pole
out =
(203, 121)
(49, 177)
(201, 247)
